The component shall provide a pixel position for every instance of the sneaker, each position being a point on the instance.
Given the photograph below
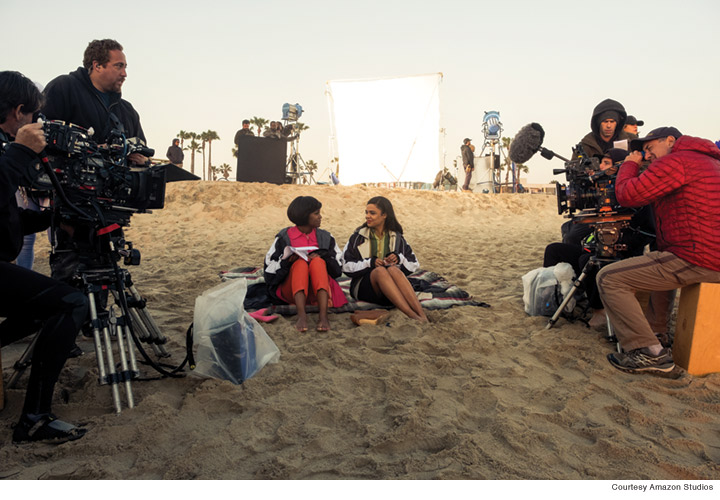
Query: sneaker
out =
(641, 361)
(664, 339)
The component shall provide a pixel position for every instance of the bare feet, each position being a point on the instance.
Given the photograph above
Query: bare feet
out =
(323, 325)
(301, 325)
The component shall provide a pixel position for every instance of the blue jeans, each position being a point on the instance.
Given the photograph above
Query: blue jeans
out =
(26, 257)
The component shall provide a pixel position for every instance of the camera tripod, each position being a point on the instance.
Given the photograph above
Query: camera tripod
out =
(607, 233)
(132, 321)
(593, 263)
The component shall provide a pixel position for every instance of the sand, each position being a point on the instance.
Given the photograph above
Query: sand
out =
(476, 394)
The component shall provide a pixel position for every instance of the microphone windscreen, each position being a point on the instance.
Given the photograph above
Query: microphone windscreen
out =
(526, 143)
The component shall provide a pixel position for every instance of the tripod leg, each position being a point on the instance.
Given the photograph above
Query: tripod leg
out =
(108, 375)
(143, 333)
(611, 334)
(131, 354)
(21, 364)
(125, 374)
(112, 377)
(569, 296)
(158, 339)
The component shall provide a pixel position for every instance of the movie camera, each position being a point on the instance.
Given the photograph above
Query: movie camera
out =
(95, 183)
(589, 199)
(588, 196)
(588, 187)
(591, 193)
(95, 189)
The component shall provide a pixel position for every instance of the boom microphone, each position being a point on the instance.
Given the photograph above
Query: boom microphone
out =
(526, 143)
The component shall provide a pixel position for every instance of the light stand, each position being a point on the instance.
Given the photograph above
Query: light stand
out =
(492, 131)
(296, 170)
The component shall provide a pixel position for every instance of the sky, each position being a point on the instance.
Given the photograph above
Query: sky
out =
(196, 66)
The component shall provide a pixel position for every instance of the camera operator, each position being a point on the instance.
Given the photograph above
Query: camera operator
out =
(576, 248)
(606, 124)
(682, 183)
(27, 296)
(574, 234)
(91, 96)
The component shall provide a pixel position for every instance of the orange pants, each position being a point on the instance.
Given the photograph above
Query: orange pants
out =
(306, 277)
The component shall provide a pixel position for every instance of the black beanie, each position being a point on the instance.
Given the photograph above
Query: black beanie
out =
(608, 115)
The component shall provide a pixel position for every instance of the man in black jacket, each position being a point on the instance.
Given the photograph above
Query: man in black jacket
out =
(175, 154)
(468, 160)
(606, 124)
(27, 297)
(90, 96)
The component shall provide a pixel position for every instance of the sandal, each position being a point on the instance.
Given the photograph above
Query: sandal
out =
(372, 317)
(45, 427)
(259, 315)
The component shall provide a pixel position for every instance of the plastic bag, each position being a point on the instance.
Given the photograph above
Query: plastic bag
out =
(231, 345)
(545, 288)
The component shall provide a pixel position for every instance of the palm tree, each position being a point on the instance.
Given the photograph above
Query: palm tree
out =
(259, 122)
(210, 135)
(519, 168)
(214, 171)
(300, 127)
(203, 139)
(234, 151)
(311, 166)
(508, 162)
(224, 170)
(193, 146)
(182, 135)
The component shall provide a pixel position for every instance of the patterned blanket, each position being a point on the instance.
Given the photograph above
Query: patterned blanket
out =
(433, 291)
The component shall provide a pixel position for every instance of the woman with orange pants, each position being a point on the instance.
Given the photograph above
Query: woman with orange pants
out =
(303, 262)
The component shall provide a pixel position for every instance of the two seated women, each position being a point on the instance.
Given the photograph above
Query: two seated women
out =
(304, 262)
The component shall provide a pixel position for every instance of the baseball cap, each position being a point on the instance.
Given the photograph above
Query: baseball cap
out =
(466, 140)
(658, 133)
(616, 154)
(631, 120)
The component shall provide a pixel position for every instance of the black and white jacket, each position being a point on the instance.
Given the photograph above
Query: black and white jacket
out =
(358, 262)
(276, 268)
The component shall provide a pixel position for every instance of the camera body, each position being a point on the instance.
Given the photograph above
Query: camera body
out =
(96, 179)
(589, 198)
(587, 187)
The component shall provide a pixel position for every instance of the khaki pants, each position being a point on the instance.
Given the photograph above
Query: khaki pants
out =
(654, 272)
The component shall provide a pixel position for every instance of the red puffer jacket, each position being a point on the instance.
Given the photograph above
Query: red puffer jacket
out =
(684, 189)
